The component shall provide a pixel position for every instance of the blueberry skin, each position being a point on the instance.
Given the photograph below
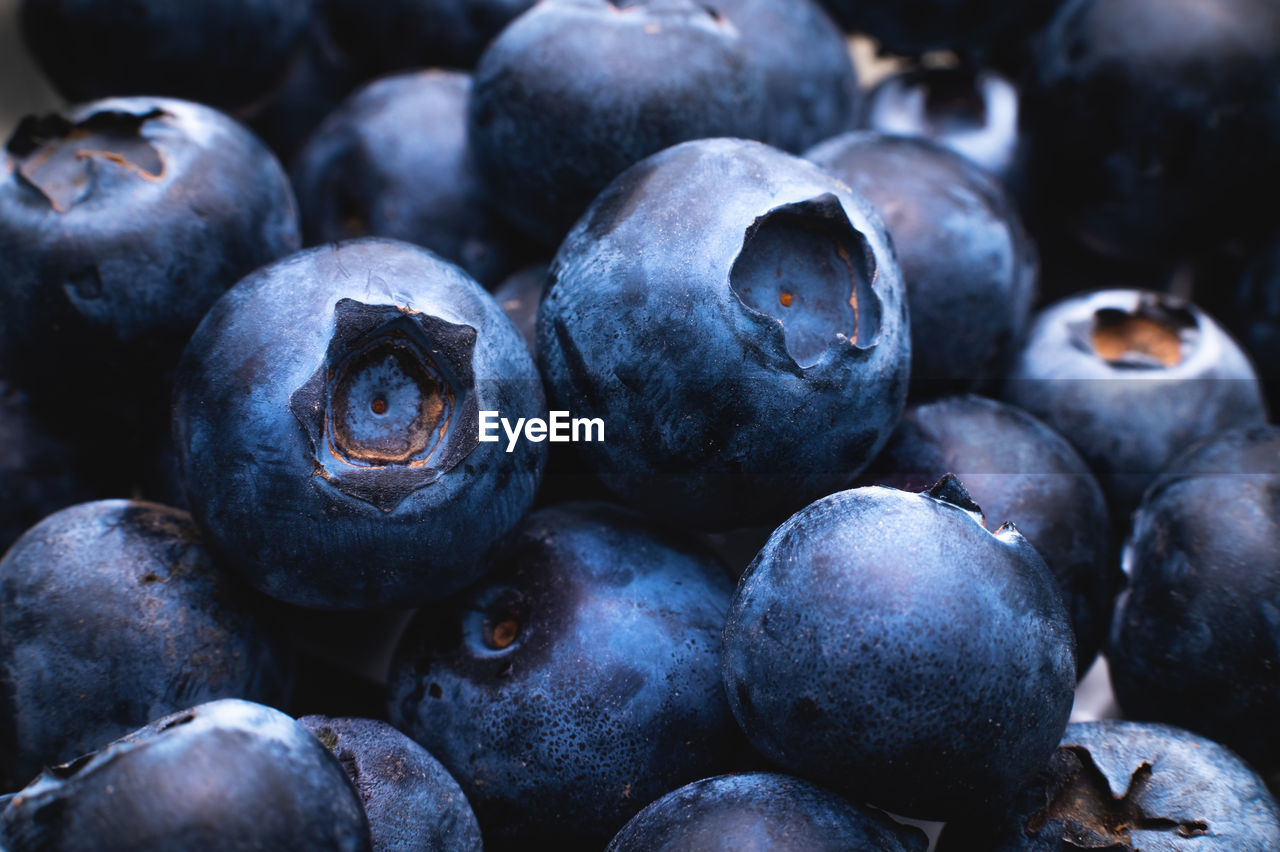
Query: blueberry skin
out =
(326, 418)
(884, 644)
(811, 84)
(761, 811)
(519, 296)
(412, 802)
(115, 614)
(1153, 126)
(975, 29)
(1253, 315)
(1017, 469)
(731, 395)
(575, 91)
(1133, 786)
(226, 53)
(226, 775)
(971, 112)
(395, 35)
(969, 267)
(576, 683)
(1130, 411)
(392, 161)
(121, 222)
(1196, 636)
(41, 469)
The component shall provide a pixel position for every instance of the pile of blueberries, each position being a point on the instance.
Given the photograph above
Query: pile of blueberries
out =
(429, 424)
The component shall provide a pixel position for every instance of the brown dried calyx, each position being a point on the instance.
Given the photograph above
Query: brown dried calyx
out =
(58, 158)
(1152, 335)
(1092, 817)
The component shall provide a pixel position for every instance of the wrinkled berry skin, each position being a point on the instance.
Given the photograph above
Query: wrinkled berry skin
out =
(974, 113)
(326, 418)
(761, 810)
(227, 775)
(41, 469)
(1196, 637)
(884, 644)
(969, 267)
(575, 91)
(811, 85)
(1021, 471)
(1153, 126)
(754, 361)
(412, 802)
(226, 53)
(576, 683)
(1133, 786)
(395, 35)
(114, 615)
(1131, 400)
(121, 222)
(972, 28)
(357, 176)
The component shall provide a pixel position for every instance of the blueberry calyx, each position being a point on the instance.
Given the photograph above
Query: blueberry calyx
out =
(59, 159)
(391, 407)
(949, 490)
(806, 267)
(1093, 816)
(1157, 334)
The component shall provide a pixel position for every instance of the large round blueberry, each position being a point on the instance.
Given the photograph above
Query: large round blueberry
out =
(811, 84)
(576, 683)
(969, 267)
(412, 802)
(392, 161)
(1196, 638)
(735, 315)
(1132, 378)
(885, 644)
(1018, 470)
(121, 222)
(759, 811)
(231, 776)
(974, 113)
(327, 420)
(114, 614)
(575, 91)
(1153, 126)
(228, 53)
(1133, 786)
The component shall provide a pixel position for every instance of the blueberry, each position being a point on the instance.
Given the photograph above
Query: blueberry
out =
(395, 35)
(1252, 314)
(410, 799)
(968, 266)
(575, 91)
(974, 113)
(1131, 378)
(1132, 786)
(1017, 469)
(519, 296)
(576, 683)
(1153, 126)
(121, 222)
(227, 53)
(811, 84)
(115, 614)
(326, 415)
(362, 174)
(1196, 637)
(227, 775)
(761, 810)
(886, 645)
(752, 360)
